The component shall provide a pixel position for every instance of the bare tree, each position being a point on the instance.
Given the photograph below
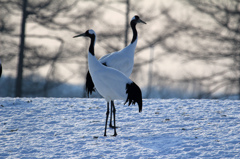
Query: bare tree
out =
(219, 44)
(68, 17)
(127, 22)
(18, 92)
(213, 40)
(53, 16)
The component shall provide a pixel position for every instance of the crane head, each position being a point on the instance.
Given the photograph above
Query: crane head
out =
(136, 20)
(88, 33)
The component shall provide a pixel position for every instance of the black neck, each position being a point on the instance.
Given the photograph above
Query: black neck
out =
(91, 47)
(133, 26)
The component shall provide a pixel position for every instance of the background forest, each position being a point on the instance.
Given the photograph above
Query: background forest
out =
(188, 49)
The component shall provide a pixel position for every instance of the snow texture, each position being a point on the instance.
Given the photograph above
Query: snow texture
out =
(74, 127)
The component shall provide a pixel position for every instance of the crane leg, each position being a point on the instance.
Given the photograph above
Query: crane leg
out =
(111, 113)
(107, 113)
(114, 119)
(110, 124)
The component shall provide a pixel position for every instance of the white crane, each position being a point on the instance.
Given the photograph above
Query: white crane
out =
(122, 60)
(111, 83)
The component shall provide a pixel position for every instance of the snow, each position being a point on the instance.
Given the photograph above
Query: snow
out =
(74, 127)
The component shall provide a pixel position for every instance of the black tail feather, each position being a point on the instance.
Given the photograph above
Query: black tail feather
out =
(134, 95)
(89, 84)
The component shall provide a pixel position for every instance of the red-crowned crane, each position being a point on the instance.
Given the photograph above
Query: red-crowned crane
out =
(122, 60)
(111, 83)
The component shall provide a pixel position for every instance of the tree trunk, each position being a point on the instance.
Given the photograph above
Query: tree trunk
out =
(18, 92)
(127, 22)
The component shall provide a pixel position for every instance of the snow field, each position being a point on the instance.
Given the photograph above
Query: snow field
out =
(74, 127)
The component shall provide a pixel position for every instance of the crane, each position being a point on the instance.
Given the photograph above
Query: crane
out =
(111, 83)
(122, 60)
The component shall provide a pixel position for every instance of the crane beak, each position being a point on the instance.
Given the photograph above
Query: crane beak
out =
(141, 21)
(83, 34)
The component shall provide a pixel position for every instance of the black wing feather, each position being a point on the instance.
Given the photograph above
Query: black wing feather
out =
(89, 84)
(134, 95)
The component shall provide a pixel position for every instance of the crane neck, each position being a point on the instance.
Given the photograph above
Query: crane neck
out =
(135, 34)
(92, 43)
(93, 63)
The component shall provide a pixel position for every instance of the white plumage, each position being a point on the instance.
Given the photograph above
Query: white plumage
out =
(122, 60)
(111, 83)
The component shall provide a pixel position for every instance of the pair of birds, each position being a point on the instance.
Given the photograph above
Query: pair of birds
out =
(110, 74)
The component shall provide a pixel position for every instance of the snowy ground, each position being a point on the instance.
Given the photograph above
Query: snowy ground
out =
(74, 127)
